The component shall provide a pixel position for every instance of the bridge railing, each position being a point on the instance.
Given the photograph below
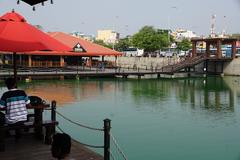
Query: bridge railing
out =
(188, 62)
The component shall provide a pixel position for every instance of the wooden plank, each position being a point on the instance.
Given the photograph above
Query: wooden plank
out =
(31, 149)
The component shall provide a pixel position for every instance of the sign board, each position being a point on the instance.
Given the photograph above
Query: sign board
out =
(78, 48)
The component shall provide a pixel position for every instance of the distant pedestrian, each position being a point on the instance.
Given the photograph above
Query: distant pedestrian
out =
(61, 146)
(102, 66)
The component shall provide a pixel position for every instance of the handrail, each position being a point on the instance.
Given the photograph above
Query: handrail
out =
(184, 63)
(118, 147)
(107, 136)
(106, 130)
(84, 144)
(77, 123)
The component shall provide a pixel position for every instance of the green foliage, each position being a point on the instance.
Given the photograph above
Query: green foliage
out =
(100, 42)
(165, 40)
(184, 45)
(39, 27)
(150, 39)
(236, 35)
(123, 44)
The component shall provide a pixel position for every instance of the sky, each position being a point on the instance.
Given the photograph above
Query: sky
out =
(128, 16)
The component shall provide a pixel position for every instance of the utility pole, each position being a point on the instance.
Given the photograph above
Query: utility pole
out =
(224, 26)
(213, 28)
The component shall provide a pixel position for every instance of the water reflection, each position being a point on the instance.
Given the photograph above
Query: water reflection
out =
(197, 116)
(211, 93)
(65, 92)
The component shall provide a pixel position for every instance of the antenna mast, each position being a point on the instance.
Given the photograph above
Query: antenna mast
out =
(213, 28)
(224, 27)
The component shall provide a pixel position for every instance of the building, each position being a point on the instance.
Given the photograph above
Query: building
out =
(181, 34)
(133, 52)
(87, 37)
(108, 36)
(81, 49)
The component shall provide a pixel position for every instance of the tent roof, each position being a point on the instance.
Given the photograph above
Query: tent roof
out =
(91, 49)
(33, 2)
(16, 35)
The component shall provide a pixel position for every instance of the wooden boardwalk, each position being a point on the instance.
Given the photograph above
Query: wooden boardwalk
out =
(118, 72)
(28, 148)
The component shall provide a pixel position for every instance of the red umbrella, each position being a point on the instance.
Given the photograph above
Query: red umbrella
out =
(16, 35)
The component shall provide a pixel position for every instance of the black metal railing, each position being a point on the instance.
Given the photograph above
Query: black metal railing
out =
(106, 129)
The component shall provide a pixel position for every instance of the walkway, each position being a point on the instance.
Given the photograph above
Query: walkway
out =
(122, 72)
(31, 149)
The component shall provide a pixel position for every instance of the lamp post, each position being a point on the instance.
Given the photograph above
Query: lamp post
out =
(173, 7)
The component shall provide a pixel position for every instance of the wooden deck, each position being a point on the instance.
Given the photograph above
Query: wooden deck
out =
(38, 73)
(28, 148)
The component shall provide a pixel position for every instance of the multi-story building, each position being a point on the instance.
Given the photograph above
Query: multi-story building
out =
(86, 37)
(108, 36)
(180, 34)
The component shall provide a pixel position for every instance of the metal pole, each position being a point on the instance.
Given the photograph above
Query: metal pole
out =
(53, 113)
(15, 66)
(107, 127)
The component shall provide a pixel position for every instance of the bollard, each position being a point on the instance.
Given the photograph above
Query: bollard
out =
(107, 127)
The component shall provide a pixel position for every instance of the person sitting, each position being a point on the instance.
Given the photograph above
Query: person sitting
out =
(15, 103)
(61, 145)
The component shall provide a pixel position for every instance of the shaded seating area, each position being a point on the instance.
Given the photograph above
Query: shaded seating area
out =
(214, 47)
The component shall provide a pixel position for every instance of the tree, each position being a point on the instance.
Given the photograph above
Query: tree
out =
(147, 38)
(123, 44)
(236, 35)
(39, 27)
(166, 38)
(100, 42)
(151, 39)
(184, 45)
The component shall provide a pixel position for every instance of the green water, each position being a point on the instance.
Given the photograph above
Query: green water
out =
(186, 119)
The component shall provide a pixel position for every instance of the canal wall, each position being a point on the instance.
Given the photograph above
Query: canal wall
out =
(143, 62)
(215, 67)
(232, 68)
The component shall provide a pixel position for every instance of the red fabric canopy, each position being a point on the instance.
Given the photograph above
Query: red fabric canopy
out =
(16, 35)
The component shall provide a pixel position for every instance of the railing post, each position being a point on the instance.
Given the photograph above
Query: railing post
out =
(107, 127)
(53, 113)
(50, 130)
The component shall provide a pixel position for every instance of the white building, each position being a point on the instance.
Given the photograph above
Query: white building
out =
(181, 34)
(133, 52)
